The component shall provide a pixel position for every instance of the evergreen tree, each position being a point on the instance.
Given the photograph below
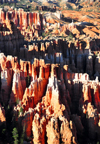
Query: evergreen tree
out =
(15, 135)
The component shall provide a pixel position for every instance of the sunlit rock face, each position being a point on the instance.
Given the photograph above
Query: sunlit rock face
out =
(46, 116)
(2, 115)
(18, 87)
(6, 77)
(50, 95)
(50, 85)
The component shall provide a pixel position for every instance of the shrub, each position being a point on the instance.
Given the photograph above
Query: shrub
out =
(15, 135)
(21, 110)
(17, 101)
(70, 36)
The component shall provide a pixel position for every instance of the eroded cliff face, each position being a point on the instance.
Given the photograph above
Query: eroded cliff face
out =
(46, 111)
(51, 88)
(50, 100)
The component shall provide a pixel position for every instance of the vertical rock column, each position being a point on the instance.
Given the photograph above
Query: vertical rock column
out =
(3, 16)
(20, 20)
(52, 130)
(67, 131)
(7, 16)
(6, 76)
(86, 93)
(18, 87)
(16, 18)
(39, 129)
(35, 18)
(27, 122)
(96, 97)
(34, 72)
(25, 20)
(47, 70)
(30, 19)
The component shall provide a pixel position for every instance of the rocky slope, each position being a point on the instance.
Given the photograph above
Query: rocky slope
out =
(49, 88)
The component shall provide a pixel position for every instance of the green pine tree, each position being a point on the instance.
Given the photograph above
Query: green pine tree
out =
(15, 135)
